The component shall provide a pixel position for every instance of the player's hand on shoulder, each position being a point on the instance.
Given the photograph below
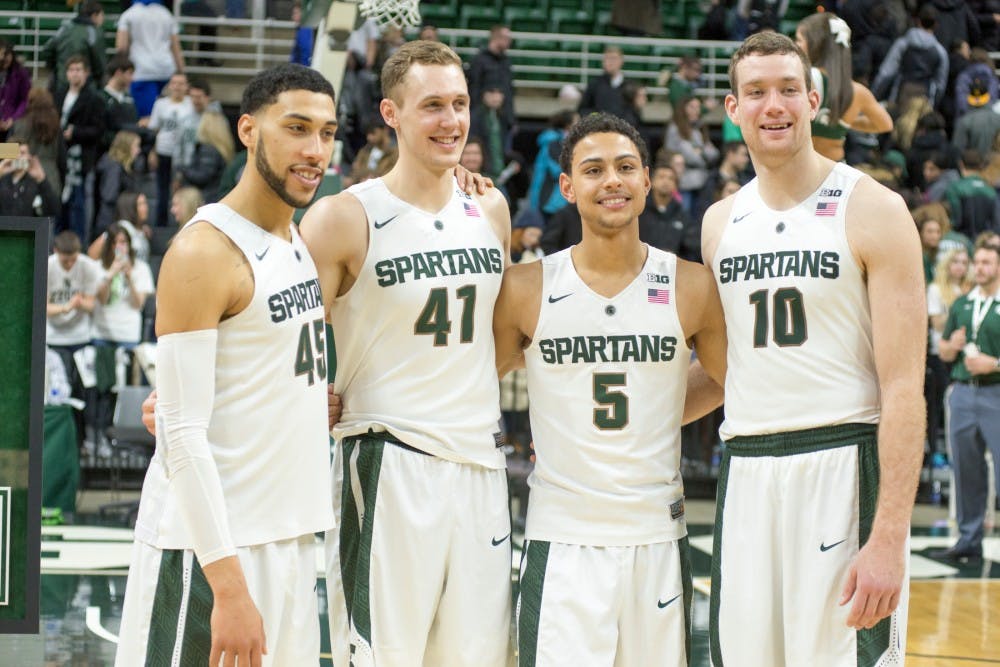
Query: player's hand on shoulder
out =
(472, 182)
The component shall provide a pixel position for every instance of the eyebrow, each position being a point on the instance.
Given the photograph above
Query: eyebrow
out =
(623, 156)
(757, 82)
(308, 119)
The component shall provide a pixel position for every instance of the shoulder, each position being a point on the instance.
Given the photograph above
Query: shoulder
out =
(712, 224)
(335, 221)
(523, 278)
(200, 243)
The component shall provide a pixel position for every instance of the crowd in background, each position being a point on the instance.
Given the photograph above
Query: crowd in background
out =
(119, 150)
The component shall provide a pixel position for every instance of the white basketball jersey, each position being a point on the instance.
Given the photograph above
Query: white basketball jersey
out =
(797, 314)
(414, 334)
(268, 430)
(607, 379)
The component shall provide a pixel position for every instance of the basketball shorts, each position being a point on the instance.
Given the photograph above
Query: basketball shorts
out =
(422, 559)
(168, 605)
(586, 605)
(792, 512)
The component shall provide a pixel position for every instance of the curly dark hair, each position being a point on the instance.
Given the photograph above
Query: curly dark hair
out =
(598, 123)
(264, 88)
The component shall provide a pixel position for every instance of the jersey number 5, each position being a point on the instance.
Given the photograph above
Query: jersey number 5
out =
(613, 413)
(788, 317)
(434, 321)
(307, 360)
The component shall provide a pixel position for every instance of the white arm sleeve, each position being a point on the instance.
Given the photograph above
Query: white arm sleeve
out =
(185, 380)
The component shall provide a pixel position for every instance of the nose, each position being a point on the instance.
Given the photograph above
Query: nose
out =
(313, 147)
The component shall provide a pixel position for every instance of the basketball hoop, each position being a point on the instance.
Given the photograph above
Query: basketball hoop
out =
(400, 13)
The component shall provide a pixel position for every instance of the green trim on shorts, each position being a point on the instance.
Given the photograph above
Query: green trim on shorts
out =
(800, 442)
(684, 552)
(355, 538)
(714, 599)
(874, 642)
(196, 641)
(536, 555)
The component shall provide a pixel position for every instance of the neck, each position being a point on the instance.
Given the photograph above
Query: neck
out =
(662, 199)
(784, 181)
(617, 253)
(418, 184)
(990, 288)
(254, 199)
(75, 89)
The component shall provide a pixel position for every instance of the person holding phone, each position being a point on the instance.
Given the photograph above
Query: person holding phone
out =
(24, 189)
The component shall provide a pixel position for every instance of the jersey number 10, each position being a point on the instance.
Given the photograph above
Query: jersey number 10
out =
(787, 320)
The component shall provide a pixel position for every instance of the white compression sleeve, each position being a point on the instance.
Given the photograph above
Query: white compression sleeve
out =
(185, 379)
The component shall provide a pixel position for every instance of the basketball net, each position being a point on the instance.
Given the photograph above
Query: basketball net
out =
(400, 13)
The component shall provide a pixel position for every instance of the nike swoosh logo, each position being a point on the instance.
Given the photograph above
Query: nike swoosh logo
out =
(661, 605)
(380, 225)
(260, 255)
(553, 299)
(503, 539)
(740, 217)
(827, 547)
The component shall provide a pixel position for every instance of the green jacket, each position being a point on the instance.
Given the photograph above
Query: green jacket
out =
(988, 338)
(973, 204)
(78, 35)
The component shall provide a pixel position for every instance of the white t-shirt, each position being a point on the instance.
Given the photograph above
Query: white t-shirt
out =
(72, 328)
(118, 320)
(168, 118)
(150, 28)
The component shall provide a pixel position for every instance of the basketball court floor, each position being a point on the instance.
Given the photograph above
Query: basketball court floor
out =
(954, 609)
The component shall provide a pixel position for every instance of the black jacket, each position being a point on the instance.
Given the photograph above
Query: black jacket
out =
(17, 199)
(87, 119)
(489, 69)
(205, 171)
(670, 229)
(562, 230)
(602, 96)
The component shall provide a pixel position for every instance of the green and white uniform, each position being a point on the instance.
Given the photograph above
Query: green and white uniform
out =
(267, 439)
(422, 553)
(605, 577)
(799, 478)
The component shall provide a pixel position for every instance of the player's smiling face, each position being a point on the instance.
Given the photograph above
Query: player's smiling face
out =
(772, 105)
(430, 113)
(293, 144)
(608, 183)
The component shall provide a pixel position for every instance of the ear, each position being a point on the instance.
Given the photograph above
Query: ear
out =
(813, 103)
(390, 112)
(648, 184)
(246, 130)
(732, 106)
(566, 188)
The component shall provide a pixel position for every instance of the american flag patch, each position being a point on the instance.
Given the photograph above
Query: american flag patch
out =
(658, 295)
(471, 210)
(826, 208)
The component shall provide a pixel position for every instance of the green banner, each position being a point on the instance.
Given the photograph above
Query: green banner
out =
(23, 246)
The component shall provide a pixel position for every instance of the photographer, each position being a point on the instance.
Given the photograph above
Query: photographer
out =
(24, 190)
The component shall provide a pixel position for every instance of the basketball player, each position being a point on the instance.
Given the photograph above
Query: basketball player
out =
(606, 331)
(410, 267)
(819, 273)
(223, 567)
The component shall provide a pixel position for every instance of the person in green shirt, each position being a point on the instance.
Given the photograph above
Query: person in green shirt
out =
(972, 341)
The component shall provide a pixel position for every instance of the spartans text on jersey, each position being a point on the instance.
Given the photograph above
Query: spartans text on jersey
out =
(594, 349)
(294, 300)
(434, 263)
(764, 265)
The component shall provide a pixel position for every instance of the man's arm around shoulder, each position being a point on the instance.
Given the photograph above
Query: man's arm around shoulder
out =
(335, 229)
(515, 315)
(700, 312)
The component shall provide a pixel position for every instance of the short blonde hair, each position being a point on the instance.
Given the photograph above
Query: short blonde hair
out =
(214, 130)
(768, 43)
(419, 52)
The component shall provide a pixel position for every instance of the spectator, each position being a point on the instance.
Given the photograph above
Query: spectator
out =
(844, 104)
(378, 155)
(200, 94)
(637, 18)
(972, 202)
(83, 127)
(15, 83)
(636, 98)
(184, 204)
(302, 47)
(916, 64)
(72, 288)
(753, 16)
(988, 15)
(685, 135)
(491, 67)
(874, 30)
(23, 183)
(686, 80)
(167, 118)
(979, 126)
(212, 153)
(132, 215)
(604, 93)
(208, 33)
(148, 35)
(905, 127)
(562, 229)
(955, 22)
(119, 107)
(664, 223)
(929, 138)
(733, 167)
(40, 124)
(115, 174)
(362, 46)
(429, 33)
(489, 123)
(82, 35)
(939, 172)
(931, 230)
(125, 284)
(971, 339)
(976, 85)
(950, 239)
(544, 194)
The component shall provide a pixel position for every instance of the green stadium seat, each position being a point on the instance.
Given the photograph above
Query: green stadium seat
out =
(524, 19)
(602, 22)
(570, 21)
(586, 6)
(443, 16)
(475, 17)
